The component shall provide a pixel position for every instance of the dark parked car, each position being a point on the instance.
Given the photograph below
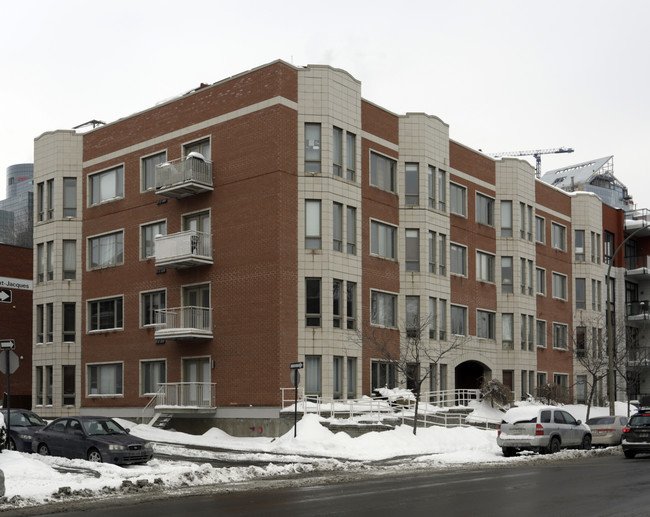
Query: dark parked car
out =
(636, 435)
(93, 439)
(24, 424)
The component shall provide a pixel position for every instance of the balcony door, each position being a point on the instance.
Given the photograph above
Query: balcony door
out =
(196, 379)
(196, 303)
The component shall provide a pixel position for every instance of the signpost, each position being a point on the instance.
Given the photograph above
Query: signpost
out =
(6, 295)
(295, 379)
(9, 365)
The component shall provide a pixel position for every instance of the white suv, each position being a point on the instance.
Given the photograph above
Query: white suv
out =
(544, 429)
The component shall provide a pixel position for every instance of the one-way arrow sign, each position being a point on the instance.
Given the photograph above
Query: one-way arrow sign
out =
(5, 295)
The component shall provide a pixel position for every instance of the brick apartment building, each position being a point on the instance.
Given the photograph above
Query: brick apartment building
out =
(197, 248)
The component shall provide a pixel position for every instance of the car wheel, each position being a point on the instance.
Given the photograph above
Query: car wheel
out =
(554, 446)
(508, 452)
(12, 444)
(586, 442)
(94, 455)
(629, 454)
(43, 450)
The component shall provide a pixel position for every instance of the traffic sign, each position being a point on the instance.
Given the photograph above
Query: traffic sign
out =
(5, 295)
(14, 362)
(296, 366)
(7, 344)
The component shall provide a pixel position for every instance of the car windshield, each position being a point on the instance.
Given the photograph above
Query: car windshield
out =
(600, 420)
(640, 420)
(25, 419)
(95, 427)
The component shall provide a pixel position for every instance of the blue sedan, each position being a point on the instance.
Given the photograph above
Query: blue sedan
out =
(91, 438)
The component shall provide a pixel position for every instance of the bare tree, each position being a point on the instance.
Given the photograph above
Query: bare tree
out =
(415, 359)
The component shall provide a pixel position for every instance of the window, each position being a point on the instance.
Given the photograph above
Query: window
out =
(351, 305)
(337, 304)
(49, 377)
(529, 235)
(530, 278)
(39, 385)
(413, 317)
(383, 375)
(383, 309)
(610, 246)
(595, 247)
(40, 201)
(149, 304)
(69, 260)
(352, 377)
(457, 199)
(105, 314)
(560, 336)
(350, 156)
(149, 169)
(49, 248)
(69, 384)
(540, 230)
(432, 252)
(458, 257)
(558, 237)
(522, 268)
(506, 275)
(484, 267)
(351, 230)
(412, 186)
(540, 333)
(432, 317)
(431, 186)
(40, 314)
(50, 199)
(442, 310)
(412, 250)
(540, 281)
(531, 333)
(49, 323)
(508, 331)
(312, 148)
(337, 152)
(382, 240)
(485, 322)
(581, 341)
(313, 302)
(337, 377)
(559, 286)
(152, 375)
(382, 172)
(107, 185)
(69, 322)
(522, 220)
(312, 224)
(506, 218)
(313, 382)
(201, 147)
(596, 295)
(458, 320)
(442, 254)
(484, 210)
(579, 242)
(581, 293)
(40, 263)
(442, 190)
(148, 238)
(69, 197)
(105, 379)
(106, 250)
(337, 226)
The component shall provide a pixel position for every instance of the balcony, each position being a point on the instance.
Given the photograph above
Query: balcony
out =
(638, 267)
(184, 323)
(638, 311)
(184, 177)
(184, 249)
(189, 395)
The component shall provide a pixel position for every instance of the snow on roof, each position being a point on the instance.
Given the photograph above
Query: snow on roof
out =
(519, 413)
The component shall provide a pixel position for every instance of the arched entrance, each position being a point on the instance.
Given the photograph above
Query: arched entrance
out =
(470, 374)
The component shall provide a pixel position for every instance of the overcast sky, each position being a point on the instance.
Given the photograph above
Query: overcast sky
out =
(506, 75)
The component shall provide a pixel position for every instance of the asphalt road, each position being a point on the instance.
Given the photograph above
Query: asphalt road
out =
(595, 486)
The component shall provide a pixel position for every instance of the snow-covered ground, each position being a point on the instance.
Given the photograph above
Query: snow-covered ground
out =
(33, 480)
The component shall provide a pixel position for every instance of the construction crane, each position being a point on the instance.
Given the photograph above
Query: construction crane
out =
(537, 154)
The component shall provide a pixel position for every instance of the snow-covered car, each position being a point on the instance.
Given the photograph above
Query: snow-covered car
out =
(23, 425)
(607, 430)
(545, 429)
(91, 438)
